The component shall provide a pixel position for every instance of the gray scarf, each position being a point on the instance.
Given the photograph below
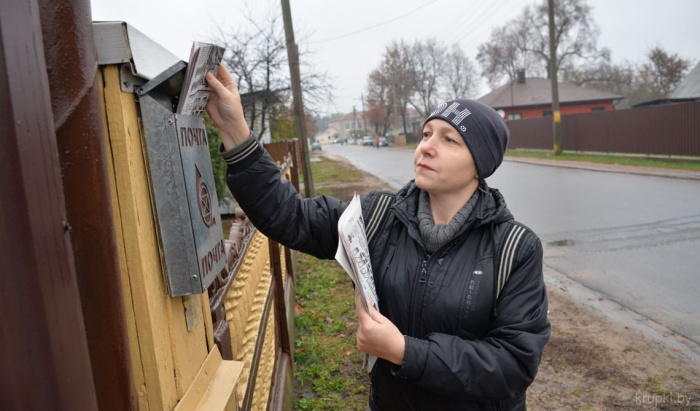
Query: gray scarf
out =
(436, 235)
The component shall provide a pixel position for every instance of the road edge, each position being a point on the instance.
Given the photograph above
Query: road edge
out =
(610, 168)
(679, 346)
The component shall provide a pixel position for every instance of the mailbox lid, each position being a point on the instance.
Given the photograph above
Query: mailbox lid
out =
(119, 42)
(169, 199)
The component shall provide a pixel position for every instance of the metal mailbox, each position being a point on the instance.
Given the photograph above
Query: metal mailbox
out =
(182, 185)
(181, 179)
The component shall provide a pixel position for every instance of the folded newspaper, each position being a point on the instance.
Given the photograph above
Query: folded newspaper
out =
(204, 58)
(353, 256)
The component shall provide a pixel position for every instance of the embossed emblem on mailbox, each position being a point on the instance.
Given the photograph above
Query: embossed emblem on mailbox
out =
(205, 208)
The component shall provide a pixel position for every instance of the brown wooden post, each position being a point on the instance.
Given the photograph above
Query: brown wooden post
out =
(279, 277)
(295, 78)
(71, 62)
(44, 356)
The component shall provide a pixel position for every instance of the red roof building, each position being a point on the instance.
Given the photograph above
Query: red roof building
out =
(532, 98)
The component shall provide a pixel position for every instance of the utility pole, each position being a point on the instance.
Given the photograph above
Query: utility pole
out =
(293, 57)
(396, 112)
(354, 121)
(364, 118)
(556, 115)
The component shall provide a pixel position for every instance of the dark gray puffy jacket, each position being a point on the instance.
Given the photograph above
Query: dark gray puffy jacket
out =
(465, 348)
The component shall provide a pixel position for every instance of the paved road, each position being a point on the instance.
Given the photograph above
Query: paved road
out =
(632, 238)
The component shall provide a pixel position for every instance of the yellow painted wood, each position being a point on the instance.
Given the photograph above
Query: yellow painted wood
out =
(121, 125)
(208, 324)
(166, 355)
(252, 329)
(266, 367)
(189, 347)
(212, 388)
(136, 366)
(245, 303)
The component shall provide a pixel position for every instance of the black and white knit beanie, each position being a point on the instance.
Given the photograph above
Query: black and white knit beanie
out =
(482, 128)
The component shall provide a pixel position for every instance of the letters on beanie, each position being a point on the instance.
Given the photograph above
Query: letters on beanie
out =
(482, 128)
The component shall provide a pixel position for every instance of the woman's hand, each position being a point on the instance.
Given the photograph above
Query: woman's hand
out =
(378, 336)
(225, 109)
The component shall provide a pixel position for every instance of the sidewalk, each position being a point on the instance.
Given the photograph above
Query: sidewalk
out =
(612, 168)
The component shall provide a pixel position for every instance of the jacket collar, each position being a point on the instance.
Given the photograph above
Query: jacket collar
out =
(491, 207)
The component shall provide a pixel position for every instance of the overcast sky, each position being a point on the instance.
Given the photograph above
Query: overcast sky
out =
(348, 37)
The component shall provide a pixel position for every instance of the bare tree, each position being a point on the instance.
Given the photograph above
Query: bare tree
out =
(575, 33)
(397, 67)
(257, 57)
(653, 79)
(666, 69)
(428, 59)
(459, 77)
(505, 53)
(604, 75)
(379, 101)
(523, 43)
(418, 75)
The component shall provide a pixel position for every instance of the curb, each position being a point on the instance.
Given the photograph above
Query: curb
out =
(610, 168)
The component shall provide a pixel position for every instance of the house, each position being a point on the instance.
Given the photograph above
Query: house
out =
(532, 98)
(687, 90)
(349, 125)
(256, 111)
(327, 136)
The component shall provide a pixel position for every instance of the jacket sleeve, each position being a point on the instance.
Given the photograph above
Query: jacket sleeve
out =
(274, 206)
(502, 364)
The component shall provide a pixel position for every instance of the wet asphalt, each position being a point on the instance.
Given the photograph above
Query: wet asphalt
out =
(634, 239)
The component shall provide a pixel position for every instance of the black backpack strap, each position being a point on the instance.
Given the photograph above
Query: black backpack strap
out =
(509, 247)
(378, 214)
(504, 259)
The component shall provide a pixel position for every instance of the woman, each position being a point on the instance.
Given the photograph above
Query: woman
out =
(463, 304)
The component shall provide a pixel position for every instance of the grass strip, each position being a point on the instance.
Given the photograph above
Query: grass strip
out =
(607, 159)
(327, 365)
(326, 171)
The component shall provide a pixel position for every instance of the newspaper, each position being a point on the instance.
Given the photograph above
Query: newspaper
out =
(353, 256)
(204, 58)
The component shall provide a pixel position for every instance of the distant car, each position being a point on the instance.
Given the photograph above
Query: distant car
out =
(340, 140)
(383, 142)
(316, 146)
(367, 141)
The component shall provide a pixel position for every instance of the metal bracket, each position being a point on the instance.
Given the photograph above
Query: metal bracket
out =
(169, 82)
(127, 80)
(192, 311)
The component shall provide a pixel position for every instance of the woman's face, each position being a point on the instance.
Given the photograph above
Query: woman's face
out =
(442, 162)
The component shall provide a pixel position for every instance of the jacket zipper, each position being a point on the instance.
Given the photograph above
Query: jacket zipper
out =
(416, 301)
(417, 296)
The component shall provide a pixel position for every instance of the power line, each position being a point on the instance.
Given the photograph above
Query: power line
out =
(515, 12)
(506, 18)
(472, 17)
(481, 19)
(458, 18)
(374, 26)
